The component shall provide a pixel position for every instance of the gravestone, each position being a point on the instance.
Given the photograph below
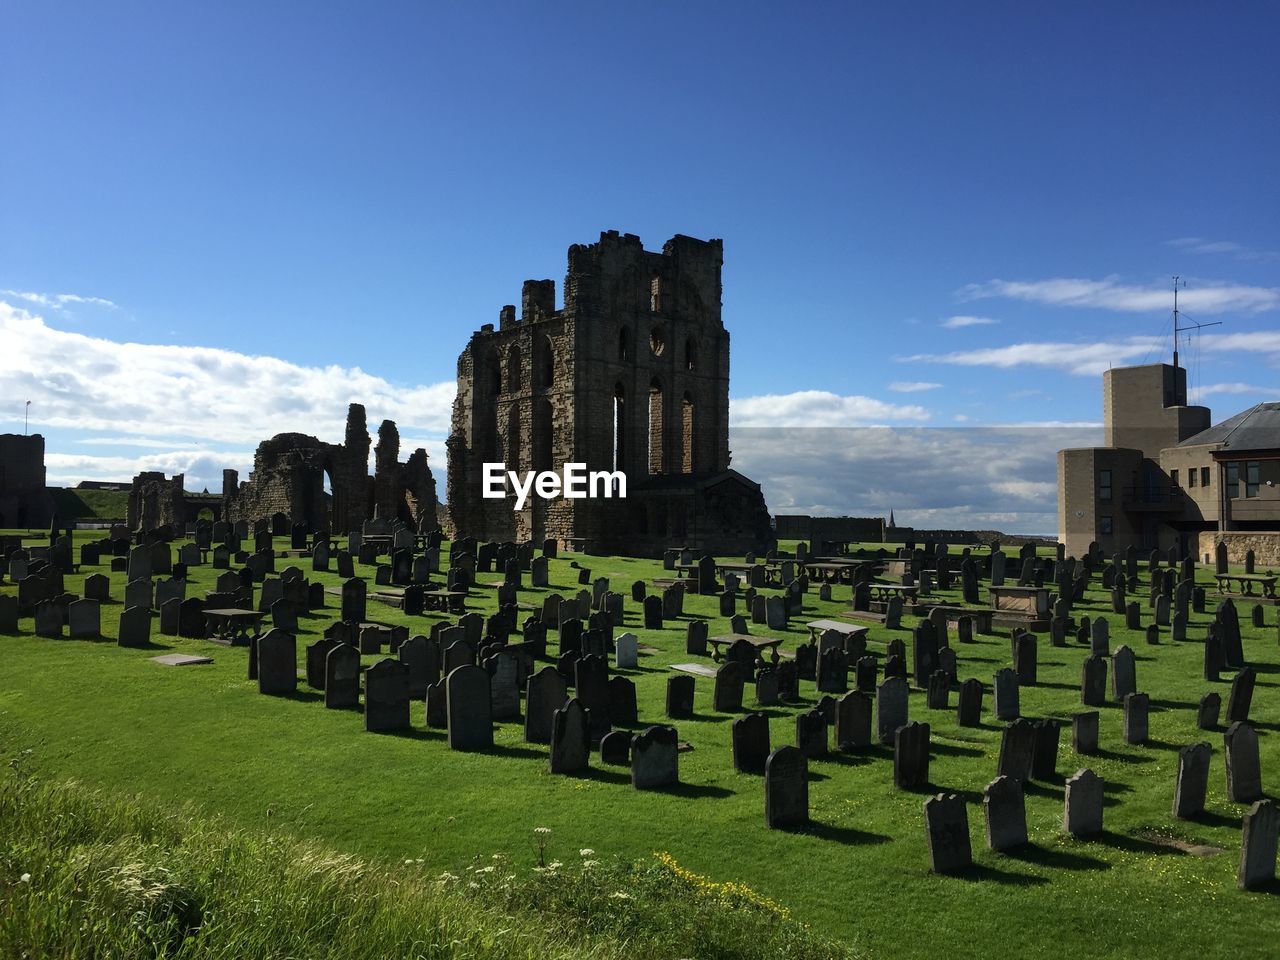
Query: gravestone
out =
(911, 756)
(1093, 681)
(1005, 812)
(504, 686)
(853, 721)
(1244, 771)
(354, 600)
(469, 709)
(84, 619)
(655, 758)
(750, 736)
(969, 703)
(1124, 669)
(811, 732)
(786, 789)
(1082, 804)
(1207, 712)
(135, 628)
(277, 663)
(1025, 659)
(1260, 831)
(615, 748)
(1017, 750)
(1192, 784)
(891, 707)
(680, 691)
(386, 697)
(946, 828)
(729, 681)
(1084, 732)
(1044, 765)
(570, 740)
(546, 692)
(1136, 709)
(626, 651)
(1238, 702)
(1005, 687)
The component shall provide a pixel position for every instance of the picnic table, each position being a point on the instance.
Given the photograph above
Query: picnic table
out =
(762, 645)
(1266, 582)
(232, 625)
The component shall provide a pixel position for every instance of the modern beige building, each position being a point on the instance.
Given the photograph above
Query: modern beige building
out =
(1165, 475)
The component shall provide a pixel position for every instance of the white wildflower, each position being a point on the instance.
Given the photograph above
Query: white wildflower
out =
(586, 852)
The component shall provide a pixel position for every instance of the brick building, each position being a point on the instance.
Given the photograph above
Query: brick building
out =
(1165, 476)
(631, 374)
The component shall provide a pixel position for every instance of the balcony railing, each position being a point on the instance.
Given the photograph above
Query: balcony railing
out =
(1153, 496)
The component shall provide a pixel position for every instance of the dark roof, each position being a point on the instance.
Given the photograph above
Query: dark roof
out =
(1257, 428)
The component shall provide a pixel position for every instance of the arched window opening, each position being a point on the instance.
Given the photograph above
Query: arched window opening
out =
(513, 438)
(619, 428)
(543, 435)
(624, 344)
(691, 354)
(514, 370)
(544, 362)
(657, 446)
(655, 294)
(686, 434)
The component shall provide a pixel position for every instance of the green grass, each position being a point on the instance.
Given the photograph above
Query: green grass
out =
(76, 504)
(85, 875)
(111, 718)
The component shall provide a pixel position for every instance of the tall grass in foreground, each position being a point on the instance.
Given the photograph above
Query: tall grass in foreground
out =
(85, 875)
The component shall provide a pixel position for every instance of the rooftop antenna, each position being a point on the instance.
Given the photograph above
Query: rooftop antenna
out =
(1178, 319)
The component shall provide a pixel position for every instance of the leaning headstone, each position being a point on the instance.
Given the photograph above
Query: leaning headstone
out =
(946, 828)
(1093, 681)
(1240, 699)
(786, 789)
(1123, 673)
(570, 739)
(750, 738)
(1261, 830)
(729, 683)
(1192, 783)
(1005, 811)
(911, 756)
(1017, 750)
(1082, 804)
(811, 733)
(1207, 712)
(1244, 770)
(135, 627)
(1006, 694)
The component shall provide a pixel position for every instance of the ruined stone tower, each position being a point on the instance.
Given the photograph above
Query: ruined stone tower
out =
(631, 374)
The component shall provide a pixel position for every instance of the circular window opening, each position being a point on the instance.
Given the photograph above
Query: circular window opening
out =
(658, 340)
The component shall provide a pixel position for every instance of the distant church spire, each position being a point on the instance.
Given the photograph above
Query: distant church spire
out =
(892, 525)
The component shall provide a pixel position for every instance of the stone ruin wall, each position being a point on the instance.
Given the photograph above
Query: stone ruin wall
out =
(24, 499)
(1265, 545)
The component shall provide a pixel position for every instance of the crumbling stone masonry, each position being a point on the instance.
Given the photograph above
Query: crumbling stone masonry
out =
(290, 469)
(631, 374)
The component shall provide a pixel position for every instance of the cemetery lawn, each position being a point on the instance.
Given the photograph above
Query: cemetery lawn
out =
(288, 768)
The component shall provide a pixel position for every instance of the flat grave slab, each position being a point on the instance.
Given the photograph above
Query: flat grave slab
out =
(180, 660)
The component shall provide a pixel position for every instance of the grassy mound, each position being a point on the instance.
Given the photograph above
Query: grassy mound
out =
(83, 874)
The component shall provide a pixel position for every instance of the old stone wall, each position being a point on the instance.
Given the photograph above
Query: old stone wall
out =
(631, 374)
(1265, 545)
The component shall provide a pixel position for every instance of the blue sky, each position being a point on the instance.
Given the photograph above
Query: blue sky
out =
(350, 190)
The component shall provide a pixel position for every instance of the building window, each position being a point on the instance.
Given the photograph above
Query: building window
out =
(1233, 479)
(1104, 484)
(1251, 478)
(655, 295)
(1205, 474)
(1191, 477)
(1173, 477)
(1104, 526)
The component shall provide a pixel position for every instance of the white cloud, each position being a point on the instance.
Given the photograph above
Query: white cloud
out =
(955, 323)
(1198, 393)
(1002, 478)
(1237, 250)
(913, 386)
(1206, 297)
(215, 396)
(818, 408)
(56, 301)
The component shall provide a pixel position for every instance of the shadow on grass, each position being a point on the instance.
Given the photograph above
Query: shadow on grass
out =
(847, 836)
(951, 750)
(1055, 859)
(1162, 744)
(517, 751)
(982, 872)
(1130, 844)
(1210, 819)
(1102, 754)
